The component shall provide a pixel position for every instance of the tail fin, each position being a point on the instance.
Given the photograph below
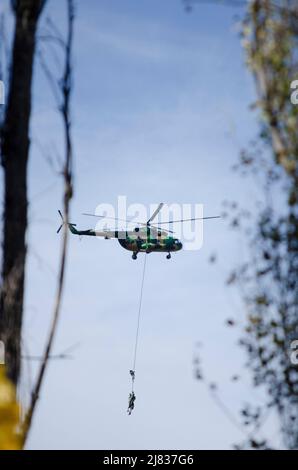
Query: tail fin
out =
(72, 229)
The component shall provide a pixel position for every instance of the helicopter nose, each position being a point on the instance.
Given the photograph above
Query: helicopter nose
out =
(179, 246)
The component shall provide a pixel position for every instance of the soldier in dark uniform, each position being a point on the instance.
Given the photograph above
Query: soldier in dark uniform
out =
(131, 402)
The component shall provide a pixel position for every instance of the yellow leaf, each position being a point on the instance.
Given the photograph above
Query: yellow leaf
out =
(10, 436)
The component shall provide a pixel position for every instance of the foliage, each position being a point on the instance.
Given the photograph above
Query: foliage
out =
(10, 436)
(270, 277)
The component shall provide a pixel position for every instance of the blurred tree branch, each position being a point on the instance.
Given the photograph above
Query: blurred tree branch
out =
(65, 89)
(15, 144)
(269, 279)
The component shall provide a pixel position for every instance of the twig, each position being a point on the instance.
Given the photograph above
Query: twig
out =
(62, 355)
(52, 356)
(66, 86)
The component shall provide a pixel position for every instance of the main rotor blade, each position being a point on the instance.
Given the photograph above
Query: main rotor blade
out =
(160, 228)
(155, 213)
(114, 218)
(59, 212)
(189, 220)
(133, 223)
(59, 228)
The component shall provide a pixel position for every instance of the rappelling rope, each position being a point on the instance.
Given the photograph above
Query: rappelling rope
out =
(139, 315)
(133, 370)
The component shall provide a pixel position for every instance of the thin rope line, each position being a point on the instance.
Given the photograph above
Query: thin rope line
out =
(139, 315)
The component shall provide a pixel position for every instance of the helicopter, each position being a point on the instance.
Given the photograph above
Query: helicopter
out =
(144, 238)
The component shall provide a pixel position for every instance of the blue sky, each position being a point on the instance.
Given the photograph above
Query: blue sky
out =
(160, 113)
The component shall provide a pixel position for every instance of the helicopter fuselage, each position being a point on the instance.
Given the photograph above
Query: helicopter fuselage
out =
(149, 245)
(136, 242)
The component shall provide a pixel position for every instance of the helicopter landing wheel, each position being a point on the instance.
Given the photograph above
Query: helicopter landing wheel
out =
(169, 256)
(134, 256)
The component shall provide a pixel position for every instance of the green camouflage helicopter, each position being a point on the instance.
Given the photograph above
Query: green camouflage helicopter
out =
(144, 238)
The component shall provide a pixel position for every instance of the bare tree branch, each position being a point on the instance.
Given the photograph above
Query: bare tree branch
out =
(66, 87)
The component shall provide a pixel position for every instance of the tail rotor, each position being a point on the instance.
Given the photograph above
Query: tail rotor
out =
(59, 212)
(63, 222)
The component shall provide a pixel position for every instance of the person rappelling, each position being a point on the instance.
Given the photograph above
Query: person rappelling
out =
(133, 375)
(131, 402)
